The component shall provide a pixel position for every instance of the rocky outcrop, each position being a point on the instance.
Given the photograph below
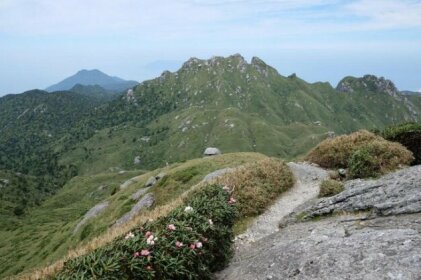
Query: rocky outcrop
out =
(139, 193)
(145, 202)
(368, 83)
(92, 213)
(150, 182)
(218, 173)
(372, 230)
(128, 183)
(394, 194)
(210, 151)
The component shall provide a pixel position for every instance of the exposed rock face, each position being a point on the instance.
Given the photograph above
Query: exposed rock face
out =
(145, 202)
(383, 243)
(93, 212)
(127, 183)
(160, 176)
(151, 181)
(369, 83)
(139, 193)
(211, 151)
(216, 174)
(393, 194)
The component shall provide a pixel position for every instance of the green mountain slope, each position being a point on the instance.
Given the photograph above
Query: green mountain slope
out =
(236, 106)
(48, 232)
(29, 123)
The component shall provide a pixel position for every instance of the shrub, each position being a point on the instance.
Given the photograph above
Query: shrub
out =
(330, 188)
(363, 164)
(338, 152)
(191, 242)
(409, 135)
(256, 185)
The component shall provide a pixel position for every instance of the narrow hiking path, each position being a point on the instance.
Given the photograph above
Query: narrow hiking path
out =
(308, 178)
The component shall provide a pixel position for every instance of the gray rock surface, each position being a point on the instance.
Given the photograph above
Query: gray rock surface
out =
(139, 193)
(145, 202)
(160, 176)
(216, 174)
(393, 194)
(211, 151)
(150, 182)
(381, 242)
(127, 183)
(93, 212)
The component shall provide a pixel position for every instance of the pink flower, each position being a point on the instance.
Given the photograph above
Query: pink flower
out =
(145, 252)
(178, 244)
(192, 246)
(148, 267)
(171, 227)
(137, 254)
(199, 245)
(232, 200)
(147, 234)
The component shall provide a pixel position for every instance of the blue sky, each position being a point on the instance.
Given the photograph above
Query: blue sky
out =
(44, 41)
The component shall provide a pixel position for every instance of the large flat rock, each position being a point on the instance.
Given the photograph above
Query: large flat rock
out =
(372, 230)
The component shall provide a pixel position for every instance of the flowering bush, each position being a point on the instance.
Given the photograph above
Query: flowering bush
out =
(191, 242)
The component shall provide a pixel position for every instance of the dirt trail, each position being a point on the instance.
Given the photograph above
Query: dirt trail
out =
(308, 178)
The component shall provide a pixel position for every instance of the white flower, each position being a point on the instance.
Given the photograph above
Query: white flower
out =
(199, 245)
(210, 222)
(151, 240)
(129, 235)
(188, 209)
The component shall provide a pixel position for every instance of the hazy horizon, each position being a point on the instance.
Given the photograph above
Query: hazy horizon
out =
(42, 42)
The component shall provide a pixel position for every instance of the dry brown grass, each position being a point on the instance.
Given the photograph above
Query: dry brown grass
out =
(256, 185)
(336, 152)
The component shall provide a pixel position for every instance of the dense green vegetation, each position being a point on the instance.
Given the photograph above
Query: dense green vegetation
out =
(190, 242)
(409, 135)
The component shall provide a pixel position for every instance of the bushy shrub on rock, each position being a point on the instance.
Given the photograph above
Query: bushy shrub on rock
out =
(362, 150)
(409, 135)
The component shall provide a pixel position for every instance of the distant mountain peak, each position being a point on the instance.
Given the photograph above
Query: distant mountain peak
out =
(93, 77)
(368, 82)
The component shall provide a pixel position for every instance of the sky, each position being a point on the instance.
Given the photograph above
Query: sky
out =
(45, 41)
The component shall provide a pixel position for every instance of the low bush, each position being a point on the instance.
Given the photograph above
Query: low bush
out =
(257, 185)
(363, 164)
(330, 188)
(409, 135)
(361, 149)
(191, 242)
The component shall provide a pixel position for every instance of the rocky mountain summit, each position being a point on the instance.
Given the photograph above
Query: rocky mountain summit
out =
(372, 230)
(368, 83)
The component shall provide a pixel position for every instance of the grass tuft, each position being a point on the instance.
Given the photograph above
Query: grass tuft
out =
(330, 188)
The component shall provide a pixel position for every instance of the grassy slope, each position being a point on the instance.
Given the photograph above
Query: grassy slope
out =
(46, 234)
(273, 115)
